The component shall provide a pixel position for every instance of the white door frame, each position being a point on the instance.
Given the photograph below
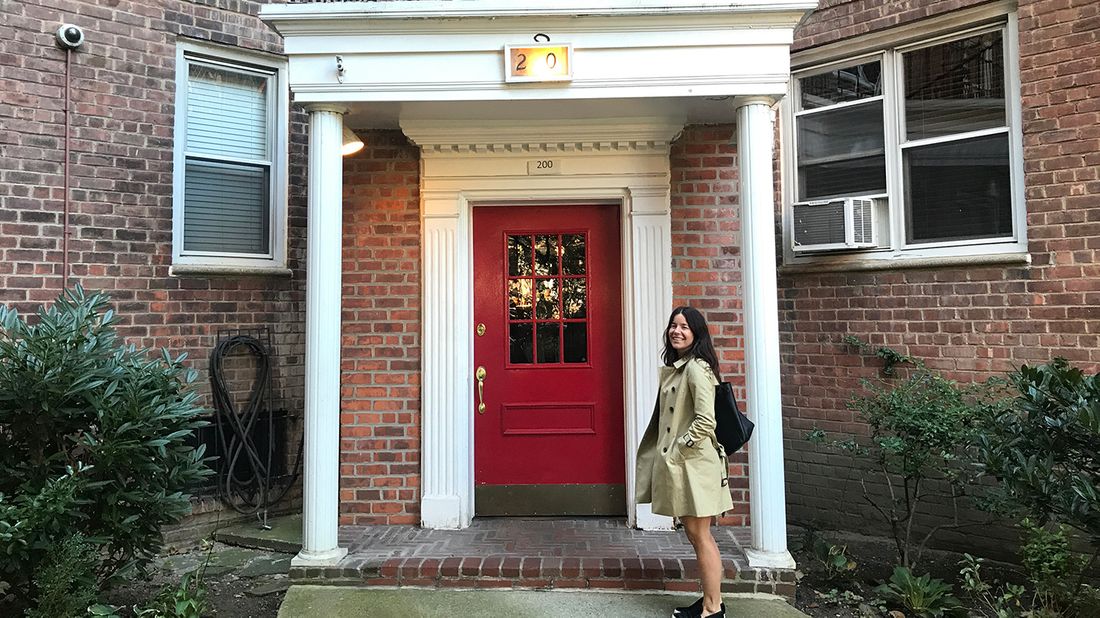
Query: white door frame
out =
(623, 161)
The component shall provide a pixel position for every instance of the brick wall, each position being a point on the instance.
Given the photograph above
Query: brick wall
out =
(706, 262)
(122, 89)
(380, 399)
(968, 322)
(836, 20)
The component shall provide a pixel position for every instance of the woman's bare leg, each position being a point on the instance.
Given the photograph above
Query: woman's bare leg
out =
(710, 561)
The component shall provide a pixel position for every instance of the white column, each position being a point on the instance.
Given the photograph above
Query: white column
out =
(649, 301)
(321, 478)
(767, 507)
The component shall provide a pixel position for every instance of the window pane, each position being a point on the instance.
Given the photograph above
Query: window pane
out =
(520, 343)
(549, 340)
(546, 255)
(573, 302)
(955, 87)
(841, 152)
(519, 299)
(572, 260)
(546, 301)
(225, 208)
(958, 190)
(226, 113)
(519, 256)
(852, 83)
(575, 338)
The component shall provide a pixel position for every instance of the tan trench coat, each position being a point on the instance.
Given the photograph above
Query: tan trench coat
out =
(681, 467)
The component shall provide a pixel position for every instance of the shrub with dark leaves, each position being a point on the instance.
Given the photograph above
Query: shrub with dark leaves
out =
(92, 443)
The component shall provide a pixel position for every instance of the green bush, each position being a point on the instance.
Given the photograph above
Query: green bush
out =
(920, 429)
(1045, 449)
(92, 442)
(65, 580)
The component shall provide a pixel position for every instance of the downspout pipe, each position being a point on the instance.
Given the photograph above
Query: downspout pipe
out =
(65, 172)
(69, 38)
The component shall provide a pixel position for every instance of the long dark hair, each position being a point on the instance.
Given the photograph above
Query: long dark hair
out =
(702, 346)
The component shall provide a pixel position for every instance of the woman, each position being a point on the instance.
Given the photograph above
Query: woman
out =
(681, 467)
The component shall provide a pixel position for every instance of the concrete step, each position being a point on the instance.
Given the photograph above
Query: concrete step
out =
(337, 602)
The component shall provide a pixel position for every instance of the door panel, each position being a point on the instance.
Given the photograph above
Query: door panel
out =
(547, 289)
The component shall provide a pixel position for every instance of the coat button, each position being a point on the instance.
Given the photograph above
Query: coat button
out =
(674, 389)
(671, 408)
(664, 450)
(669, 429)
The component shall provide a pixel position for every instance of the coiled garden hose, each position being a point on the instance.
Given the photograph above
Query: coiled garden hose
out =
(250, 489)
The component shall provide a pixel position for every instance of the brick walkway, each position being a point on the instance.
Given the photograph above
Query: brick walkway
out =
(532, 553)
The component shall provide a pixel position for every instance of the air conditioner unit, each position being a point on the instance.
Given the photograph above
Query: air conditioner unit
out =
(831, 225)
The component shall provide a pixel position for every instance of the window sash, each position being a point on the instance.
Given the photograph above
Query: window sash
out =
(259, 228)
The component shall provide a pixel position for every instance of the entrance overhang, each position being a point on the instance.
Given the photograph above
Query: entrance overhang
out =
(391, 60)
(641, 69)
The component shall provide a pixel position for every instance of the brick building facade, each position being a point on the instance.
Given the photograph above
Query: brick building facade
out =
(968, 320)
(968, 317)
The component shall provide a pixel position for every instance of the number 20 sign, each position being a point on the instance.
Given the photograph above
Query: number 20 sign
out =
(545, 63)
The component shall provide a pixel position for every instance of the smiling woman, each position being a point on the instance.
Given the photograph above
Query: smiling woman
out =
(682, 468)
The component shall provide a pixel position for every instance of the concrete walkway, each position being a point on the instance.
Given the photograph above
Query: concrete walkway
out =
(339, 601)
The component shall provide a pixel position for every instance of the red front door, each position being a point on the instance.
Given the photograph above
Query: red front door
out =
(549, 438)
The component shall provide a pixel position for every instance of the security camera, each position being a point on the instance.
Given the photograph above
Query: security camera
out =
(70, 36)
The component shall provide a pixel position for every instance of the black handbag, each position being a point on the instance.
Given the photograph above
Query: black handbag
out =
(734, 428)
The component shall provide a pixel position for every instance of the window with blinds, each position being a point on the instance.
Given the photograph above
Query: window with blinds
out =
(228, 158)
(927, 130)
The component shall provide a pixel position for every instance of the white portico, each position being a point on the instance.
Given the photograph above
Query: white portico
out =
(457, 78)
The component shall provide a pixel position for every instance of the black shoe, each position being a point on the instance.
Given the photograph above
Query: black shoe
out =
(721, 613)
(689, 611)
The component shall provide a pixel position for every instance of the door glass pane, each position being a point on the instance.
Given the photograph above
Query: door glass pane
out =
(841, 85)
(520, 344)
(955, 87)
(842, 152)
(958, 190)
(574, 303)
(519, 256)
(546, 255)
(519, 299)
(546, 303)
(575, 339)
(549, 340)
(572, 259)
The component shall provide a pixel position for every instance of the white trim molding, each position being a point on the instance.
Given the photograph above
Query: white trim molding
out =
(460, 172)
(402, 51)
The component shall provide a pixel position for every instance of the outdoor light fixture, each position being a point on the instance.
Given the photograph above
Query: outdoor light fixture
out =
(352, 143)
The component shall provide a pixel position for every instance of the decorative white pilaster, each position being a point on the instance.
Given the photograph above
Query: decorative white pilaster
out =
(767, 506)
(321, 478)
(649, 301)
(447, 500)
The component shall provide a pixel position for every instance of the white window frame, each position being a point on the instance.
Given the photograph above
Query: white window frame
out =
(275, 68)
(893, 248)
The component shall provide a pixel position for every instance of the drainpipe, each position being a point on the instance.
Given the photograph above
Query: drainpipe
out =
(65, 216)
(69, 38)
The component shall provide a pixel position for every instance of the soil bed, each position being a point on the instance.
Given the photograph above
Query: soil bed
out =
(244, 583)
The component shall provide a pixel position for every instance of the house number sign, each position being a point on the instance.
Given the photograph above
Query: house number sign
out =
(538, 63)
(543, 167)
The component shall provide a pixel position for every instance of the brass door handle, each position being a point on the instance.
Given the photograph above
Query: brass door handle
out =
(480, 375)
